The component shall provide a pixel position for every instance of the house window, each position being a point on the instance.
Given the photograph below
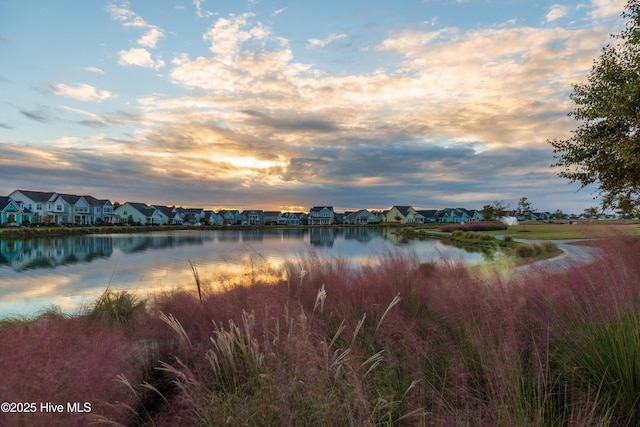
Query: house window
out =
(39, 206)
(97, 209)
(59, 207)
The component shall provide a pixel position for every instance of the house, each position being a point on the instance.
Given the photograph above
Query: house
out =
(290, 218)
(453, 216)
(37, 202)
(140, 213)
(101, 210)
(361, 217)
(430, 215)
(69, 209)
(473, 215)
(321, 215)
(403, 215)
(253, 217)
(271, 217)
(230, 217)
(174, 216)
(12, 212)
(212, 218)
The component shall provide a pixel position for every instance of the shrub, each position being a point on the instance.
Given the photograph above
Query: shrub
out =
(525, 250)
(116, 307)
(475, 226)
(548, 247)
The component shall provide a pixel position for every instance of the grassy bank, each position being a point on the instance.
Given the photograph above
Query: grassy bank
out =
(393, 343)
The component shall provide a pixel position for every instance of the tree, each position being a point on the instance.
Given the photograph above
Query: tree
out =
(591, 212)
(605, 148)
(500, 208)
(524, 208)
(488, 212)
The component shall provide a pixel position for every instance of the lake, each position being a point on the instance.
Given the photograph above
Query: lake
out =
(71, 272)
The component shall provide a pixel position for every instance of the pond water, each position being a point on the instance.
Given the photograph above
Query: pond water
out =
(71, 272)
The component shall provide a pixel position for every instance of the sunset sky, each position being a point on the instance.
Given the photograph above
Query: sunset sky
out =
(286, 105)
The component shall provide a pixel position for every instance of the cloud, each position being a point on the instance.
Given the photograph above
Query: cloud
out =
(42, 114)
(202, 13)
(278, 11)
(150, 38)
(227, 35)
(139, 57)
(94, 70)
(82, 92)
(323, 43)
(607, 8)
(556, 12)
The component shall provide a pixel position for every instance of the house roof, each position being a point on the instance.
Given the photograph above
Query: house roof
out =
(72, 199)
(404, 210)
(166, 210)
(428, 213)
(4, 202)
(37, 196)
(320, 208)
(143, 208)
(96, 202)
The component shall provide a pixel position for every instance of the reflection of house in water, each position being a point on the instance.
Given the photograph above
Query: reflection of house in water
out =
(140, 243)
(229, 236)
(51, 252)
(360, 234)
(322, 236)
(291, 233)
(253, 235)
(392, 235)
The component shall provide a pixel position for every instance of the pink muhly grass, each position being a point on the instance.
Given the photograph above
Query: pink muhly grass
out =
(60, 360)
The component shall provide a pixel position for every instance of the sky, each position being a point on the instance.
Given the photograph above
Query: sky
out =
(282, 105)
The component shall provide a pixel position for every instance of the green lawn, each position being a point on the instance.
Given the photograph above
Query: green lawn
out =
(550, 231)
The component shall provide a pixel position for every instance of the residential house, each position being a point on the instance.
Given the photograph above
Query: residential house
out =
(361, 217)
(290, 218)
(12, 212)
(101, 210)
(140, 213)
(230, 217)
(37, 202)
(69, 209)
(271, 217)
(193, 215)
(403, 215)
(473, 214)
(430, 215)
(212, 218)
(174, 215)
(459, 215)
(321, 215)
(253, 217)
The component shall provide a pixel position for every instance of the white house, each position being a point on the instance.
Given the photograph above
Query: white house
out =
(140, 213)
(321, 215)
(38, 202)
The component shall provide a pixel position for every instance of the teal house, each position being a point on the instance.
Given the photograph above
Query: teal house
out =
(12, 212)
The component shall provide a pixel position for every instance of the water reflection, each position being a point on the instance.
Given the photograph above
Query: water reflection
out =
(72, 271)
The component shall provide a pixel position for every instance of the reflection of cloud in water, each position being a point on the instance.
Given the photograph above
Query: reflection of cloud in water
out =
(151, 264)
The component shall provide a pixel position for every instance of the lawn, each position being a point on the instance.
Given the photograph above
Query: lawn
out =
(539, 230)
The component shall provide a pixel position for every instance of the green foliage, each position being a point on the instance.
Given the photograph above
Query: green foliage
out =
(116, 307)
(605, 147)
(488, 212)
(525, 250)
(475, 226)
(603, 358)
